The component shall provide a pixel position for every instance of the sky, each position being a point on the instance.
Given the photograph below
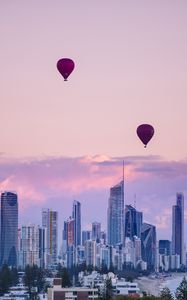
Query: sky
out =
(66, 140)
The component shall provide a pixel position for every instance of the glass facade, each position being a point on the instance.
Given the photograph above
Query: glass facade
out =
(9, 228)
(178, 227)
(76, 215)
(115, 215)
(50, 222)
(164, 247)
(96, 231)
(148, 245)
(133, 222)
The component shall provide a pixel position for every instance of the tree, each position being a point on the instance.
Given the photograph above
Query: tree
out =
(104, 269)
(34, 277)
(181, 291)
(14, 276)
(166, 294)
(5, 279)
(63, 273)
(108, 289)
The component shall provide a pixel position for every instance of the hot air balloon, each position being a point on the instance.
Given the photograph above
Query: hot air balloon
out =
(145, 132)
(65, 66)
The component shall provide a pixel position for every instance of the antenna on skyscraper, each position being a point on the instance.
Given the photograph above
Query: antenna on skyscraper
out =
(134, 200)
(123, 171)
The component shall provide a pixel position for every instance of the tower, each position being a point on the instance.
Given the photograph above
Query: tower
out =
(96, 231)
(76, 215)
(9, 228)
(133, 222)
(148, 240)
(115, 214)
(50, 222)
(178, 227)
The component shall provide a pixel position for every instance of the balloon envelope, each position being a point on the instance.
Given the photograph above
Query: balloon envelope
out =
(145, 132)
(65, 66)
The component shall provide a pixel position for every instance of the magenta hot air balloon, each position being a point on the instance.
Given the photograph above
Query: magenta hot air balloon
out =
(65, 66)
(145, 132)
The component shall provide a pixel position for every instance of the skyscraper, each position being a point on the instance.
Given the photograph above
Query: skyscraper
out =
(133, 222)
(76, 215)
(50, 222)
(96, 231)
(29, 250)
(115, 215)
(164, 247)
(9, 228)
(69, 231)
(148, 241)
(178, 227)
(69, 240)
(86, 235)
(90, 252)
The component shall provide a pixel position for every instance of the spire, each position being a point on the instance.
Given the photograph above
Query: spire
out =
(135, 201)
(123, 172)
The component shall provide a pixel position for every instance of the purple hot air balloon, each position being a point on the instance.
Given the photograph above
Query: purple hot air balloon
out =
(65, 66)
(145, 132)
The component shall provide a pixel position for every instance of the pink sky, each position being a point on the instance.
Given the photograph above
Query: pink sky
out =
(131, 68)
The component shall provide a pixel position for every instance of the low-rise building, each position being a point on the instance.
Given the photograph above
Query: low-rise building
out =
(57, 292)
(119, 286)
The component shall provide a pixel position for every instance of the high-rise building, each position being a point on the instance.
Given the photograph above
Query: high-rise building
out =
(50, 222)
(86, 235)
(96, 231)
(104, 256)
(133, 222)
(29, 249)
(76, 215)
(103, 237)
(42, 246)
(9, 228)
(90, 253)
(69, 231)
(178, 227)
(164, 247)
(115, 215)
(148, 242)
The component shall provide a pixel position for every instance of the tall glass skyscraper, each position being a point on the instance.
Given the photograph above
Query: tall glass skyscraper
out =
(76, 215)
(164, 247)
(148, 241)
(178, 227)
(96, 231)
(50, 222)
(86, 235)
(115, 215)
(133, 222)
(9, 228)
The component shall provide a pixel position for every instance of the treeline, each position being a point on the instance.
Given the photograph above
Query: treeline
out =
(128, 273)
(34, 279)
(8, 278)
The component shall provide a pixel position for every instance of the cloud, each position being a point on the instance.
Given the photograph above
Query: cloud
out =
(151, 184)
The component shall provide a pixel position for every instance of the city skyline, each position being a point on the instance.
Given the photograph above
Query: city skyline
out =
(103, 224)
(33, 243)
(55, 183)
